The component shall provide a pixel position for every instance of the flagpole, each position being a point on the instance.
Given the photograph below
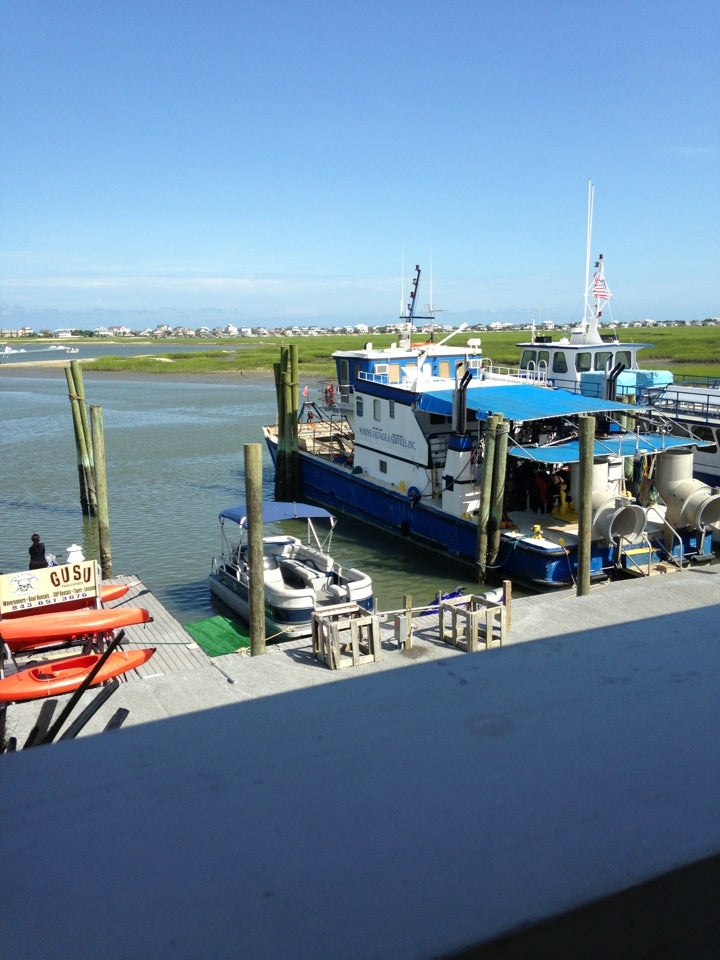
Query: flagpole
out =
(588, 241)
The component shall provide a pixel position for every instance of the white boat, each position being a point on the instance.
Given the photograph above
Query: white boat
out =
(692, 405)
(408, 440)
(299, 577)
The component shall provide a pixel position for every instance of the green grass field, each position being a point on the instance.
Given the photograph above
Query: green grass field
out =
(684, 350)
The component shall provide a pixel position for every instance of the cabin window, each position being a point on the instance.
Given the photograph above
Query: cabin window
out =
(376, 409)
(344, 372)
(624, 357)
(391, 409)
(559, 362)
(383, 466)
(602, 359)
(359, 406)
(444, 368)
(528, 357)
(583, 362)
(543, 358)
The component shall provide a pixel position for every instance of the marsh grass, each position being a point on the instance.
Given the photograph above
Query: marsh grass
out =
(684, 350)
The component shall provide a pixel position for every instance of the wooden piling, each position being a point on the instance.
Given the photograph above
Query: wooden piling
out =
(497, 497)
(587, 450)
(485, 496)
(77, 430)
(287, 468)
(256, 586)
(98, 448)
(77, 379)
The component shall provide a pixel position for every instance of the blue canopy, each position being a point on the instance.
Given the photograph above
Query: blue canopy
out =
(619, 445)
(519, 401)
(275, 510)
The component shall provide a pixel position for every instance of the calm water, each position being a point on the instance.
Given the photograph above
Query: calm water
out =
(174, 452)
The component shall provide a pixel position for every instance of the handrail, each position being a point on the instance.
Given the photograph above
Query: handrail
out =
(675, 534)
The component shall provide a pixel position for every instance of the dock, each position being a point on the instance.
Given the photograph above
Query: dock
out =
(180, 678)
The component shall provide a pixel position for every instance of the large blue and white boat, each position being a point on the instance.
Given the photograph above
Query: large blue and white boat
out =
(402, 440)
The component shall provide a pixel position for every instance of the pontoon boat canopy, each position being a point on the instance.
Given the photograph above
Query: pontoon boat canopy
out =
(519, 401)
(625, 445)
(273, 511)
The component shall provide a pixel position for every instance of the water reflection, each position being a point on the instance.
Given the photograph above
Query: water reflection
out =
(174, 452)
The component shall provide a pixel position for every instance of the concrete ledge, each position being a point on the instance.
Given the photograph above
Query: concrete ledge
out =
(463, 807)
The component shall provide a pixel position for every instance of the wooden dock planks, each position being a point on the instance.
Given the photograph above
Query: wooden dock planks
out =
(175, 650)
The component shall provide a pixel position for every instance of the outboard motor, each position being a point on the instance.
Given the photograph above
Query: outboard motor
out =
(688, 502)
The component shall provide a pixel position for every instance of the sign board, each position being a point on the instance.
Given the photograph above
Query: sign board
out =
(35, 589)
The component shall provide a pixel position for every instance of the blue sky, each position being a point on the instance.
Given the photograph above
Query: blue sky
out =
(282, 160)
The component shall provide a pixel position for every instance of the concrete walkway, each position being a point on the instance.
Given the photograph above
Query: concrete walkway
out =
(181, 679)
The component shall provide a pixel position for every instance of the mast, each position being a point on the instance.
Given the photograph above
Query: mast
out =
(588, 241)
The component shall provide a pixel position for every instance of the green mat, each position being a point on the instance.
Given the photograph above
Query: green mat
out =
(218, 635)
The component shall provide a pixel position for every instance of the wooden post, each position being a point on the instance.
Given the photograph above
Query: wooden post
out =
(77, 379)
(407, 603)
(497, 498)
(77, 429)
(253, 500)
(584, 550)
(98, 447)
(294, 464)
(485, 496)
(507, 601)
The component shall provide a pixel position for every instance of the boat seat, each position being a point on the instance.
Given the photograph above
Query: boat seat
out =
(296, 573)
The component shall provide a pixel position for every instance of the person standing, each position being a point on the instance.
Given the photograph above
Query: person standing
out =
(37, 553)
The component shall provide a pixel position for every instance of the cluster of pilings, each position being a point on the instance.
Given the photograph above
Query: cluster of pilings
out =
(287, 466)
(492, 493)
(90, 447)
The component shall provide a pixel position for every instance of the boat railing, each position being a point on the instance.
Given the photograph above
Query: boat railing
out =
(679, 562)
(509, 372)
(674, 404)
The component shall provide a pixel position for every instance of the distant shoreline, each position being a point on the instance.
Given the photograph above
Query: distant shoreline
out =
(55, 369)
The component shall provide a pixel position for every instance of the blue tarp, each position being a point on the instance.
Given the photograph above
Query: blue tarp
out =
(274, 511)
(619, 445)
(519, 401)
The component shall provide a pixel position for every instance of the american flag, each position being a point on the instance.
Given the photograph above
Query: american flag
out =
(600, 290)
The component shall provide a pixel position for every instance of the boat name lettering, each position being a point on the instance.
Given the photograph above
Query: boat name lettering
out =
(70, 573)
(396, 439)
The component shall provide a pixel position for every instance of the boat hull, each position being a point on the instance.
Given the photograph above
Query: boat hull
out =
(57, 677)
(535, 562)
(45, 629)
(290, 619)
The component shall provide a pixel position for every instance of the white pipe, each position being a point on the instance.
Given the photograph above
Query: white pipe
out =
(688, 502)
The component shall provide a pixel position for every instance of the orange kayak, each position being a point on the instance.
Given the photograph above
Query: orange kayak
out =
(63, 676)
(108, 593)
(42, 629)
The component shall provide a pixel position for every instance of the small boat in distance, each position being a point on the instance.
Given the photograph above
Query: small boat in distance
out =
(299, 578)
(55, 677)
